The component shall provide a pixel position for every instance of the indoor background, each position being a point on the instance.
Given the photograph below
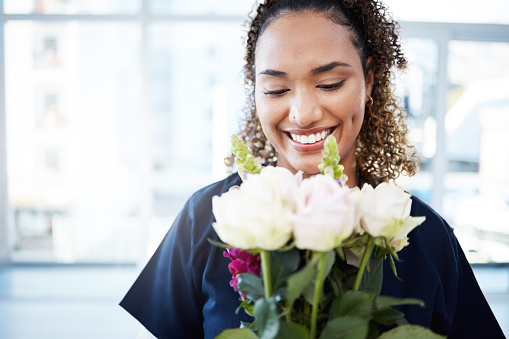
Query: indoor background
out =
(113, 112)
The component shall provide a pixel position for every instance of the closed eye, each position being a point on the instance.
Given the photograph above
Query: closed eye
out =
(276, 93)
(331, 87)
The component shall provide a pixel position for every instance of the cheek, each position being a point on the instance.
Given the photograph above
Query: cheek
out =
(351, 111)
(270, 114)
(358, 118)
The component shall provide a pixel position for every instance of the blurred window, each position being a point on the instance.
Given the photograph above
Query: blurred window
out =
(417, 89)
(73, 109)
(71, 6)
(476, 197)
(201, 7)
(106, 139)
(451, 11)
(196, 95)
(112, 122)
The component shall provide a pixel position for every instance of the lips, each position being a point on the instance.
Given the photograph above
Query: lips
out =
(310, 140)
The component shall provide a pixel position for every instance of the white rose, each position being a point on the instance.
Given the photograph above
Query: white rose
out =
(288, 182)
(385, 212)
(255, 215)
(325, 214)
(355, 196)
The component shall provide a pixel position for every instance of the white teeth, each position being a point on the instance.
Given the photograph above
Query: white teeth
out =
(310, 139)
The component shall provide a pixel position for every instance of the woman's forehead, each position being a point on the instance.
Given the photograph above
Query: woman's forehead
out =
(306, 39)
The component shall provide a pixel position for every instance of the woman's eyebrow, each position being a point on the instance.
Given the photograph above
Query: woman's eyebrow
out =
(317, 70)
(273, 72)
(328, 67)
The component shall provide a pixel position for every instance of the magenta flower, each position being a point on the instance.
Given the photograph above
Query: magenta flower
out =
(242, 262)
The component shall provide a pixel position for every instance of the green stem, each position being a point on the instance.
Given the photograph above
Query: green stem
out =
(267, 283)
(288, 314)
(318, 293)
(364, 262)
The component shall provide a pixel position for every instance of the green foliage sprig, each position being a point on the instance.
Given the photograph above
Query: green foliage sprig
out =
(330, 161)
(245, 161)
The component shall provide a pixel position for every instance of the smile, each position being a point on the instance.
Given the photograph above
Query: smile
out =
(311, 138)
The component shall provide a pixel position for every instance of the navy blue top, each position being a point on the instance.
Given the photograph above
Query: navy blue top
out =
(184, 290)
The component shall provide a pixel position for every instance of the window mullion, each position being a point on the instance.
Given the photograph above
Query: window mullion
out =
(4, 215)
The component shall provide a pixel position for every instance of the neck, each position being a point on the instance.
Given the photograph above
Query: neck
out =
(353, 175)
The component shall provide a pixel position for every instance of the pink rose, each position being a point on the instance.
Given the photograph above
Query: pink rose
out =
(325, 214)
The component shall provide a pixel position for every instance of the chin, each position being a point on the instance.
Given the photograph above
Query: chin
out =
(308, 169)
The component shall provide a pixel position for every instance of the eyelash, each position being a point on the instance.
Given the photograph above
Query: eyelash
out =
(328, 88)
(276, 93)
(332, 87)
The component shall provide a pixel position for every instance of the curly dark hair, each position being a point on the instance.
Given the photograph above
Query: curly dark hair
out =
(382, 149)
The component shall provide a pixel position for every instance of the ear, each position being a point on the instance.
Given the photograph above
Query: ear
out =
(370, 76)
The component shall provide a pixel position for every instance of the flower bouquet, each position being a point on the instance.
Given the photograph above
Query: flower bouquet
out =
(307, 254)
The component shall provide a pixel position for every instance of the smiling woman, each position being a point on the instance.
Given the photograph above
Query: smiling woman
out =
(313, 69)
(345, 52)
(302, 96)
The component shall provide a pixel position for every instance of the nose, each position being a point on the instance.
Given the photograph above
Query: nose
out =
(305, 108)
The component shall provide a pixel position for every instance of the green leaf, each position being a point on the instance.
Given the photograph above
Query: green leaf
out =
(247, 305)
(402, 321)
(352, 303)
(330, 259)
(392, 252)
(383, 301)
(372, 279)
(347, 327)
(387, 316)
(298, 281)
(336, 280)
(292, 331)
(218, 243)
(340, 253)
(373, 330)
(266, 318)
(309, 291)
(244, 324)
(237, 333)
(251, 285)
(410, 331)
(393, 266)
(282, 265)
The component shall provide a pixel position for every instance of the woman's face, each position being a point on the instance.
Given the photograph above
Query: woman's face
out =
(309, 84)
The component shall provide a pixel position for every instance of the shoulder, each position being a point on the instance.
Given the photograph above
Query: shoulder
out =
(432, 248)
(203, 197)
(419, 207)
(434, 226)
(196, 215)
(434, 243)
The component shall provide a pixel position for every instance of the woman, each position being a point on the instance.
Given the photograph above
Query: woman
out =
(314, 68)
